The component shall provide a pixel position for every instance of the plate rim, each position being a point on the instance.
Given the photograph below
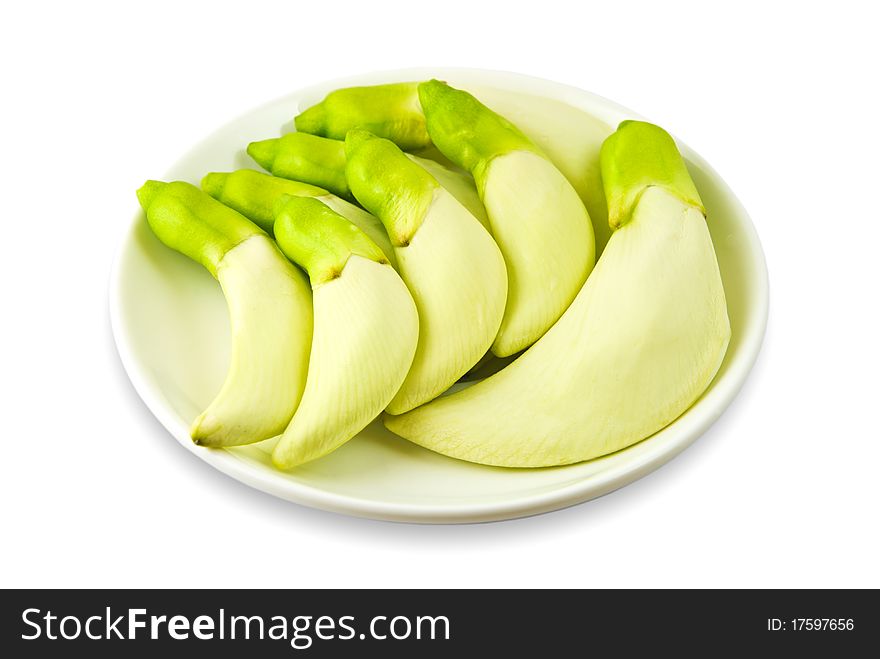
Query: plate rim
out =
(713, 403)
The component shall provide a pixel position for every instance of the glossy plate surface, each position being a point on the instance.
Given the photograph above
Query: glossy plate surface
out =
(172, 330)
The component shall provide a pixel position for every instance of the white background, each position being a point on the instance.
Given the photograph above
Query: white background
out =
(780, 98)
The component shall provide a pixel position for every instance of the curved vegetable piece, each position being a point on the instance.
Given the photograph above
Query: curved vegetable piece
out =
(449, 262)
(304, 157)
(270, 310)
(366, 330)
(390, 111)
(640, 343)
(286, 156)
(570, 137)
(537, 218)
(255, 195)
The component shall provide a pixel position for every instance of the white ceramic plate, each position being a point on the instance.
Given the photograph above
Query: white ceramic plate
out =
(172, 331)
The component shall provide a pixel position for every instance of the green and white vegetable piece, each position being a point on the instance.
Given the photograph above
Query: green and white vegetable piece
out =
(537, 218)
(321, 161)
(255, 195)
(448, 260)
(270, 310)
(640, 343)
(366, 330)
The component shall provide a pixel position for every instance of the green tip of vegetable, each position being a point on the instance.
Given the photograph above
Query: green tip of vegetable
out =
(263, 152)
(431, 90)
(391, 111)
(639, 155)
(311, 120)
(467, 132)
(388, 184)
(356, 137)
(320, 240)
(192, 222)
(305, 157)
(280, 203)
(214, 182)
(148, 192)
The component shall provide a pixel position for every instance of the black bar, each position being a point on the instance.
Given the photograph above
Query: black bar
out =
(515, 621)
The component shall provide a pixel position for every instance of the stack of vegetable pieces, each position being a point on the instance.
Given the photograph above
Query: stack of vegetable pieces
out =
(391, 277)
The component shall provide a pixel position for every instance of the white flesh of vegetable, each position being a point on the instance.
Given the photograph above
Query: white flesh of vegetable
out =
(366, 330)
(457, 278)
(637, 347)
(270, 310)
(545, 234)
